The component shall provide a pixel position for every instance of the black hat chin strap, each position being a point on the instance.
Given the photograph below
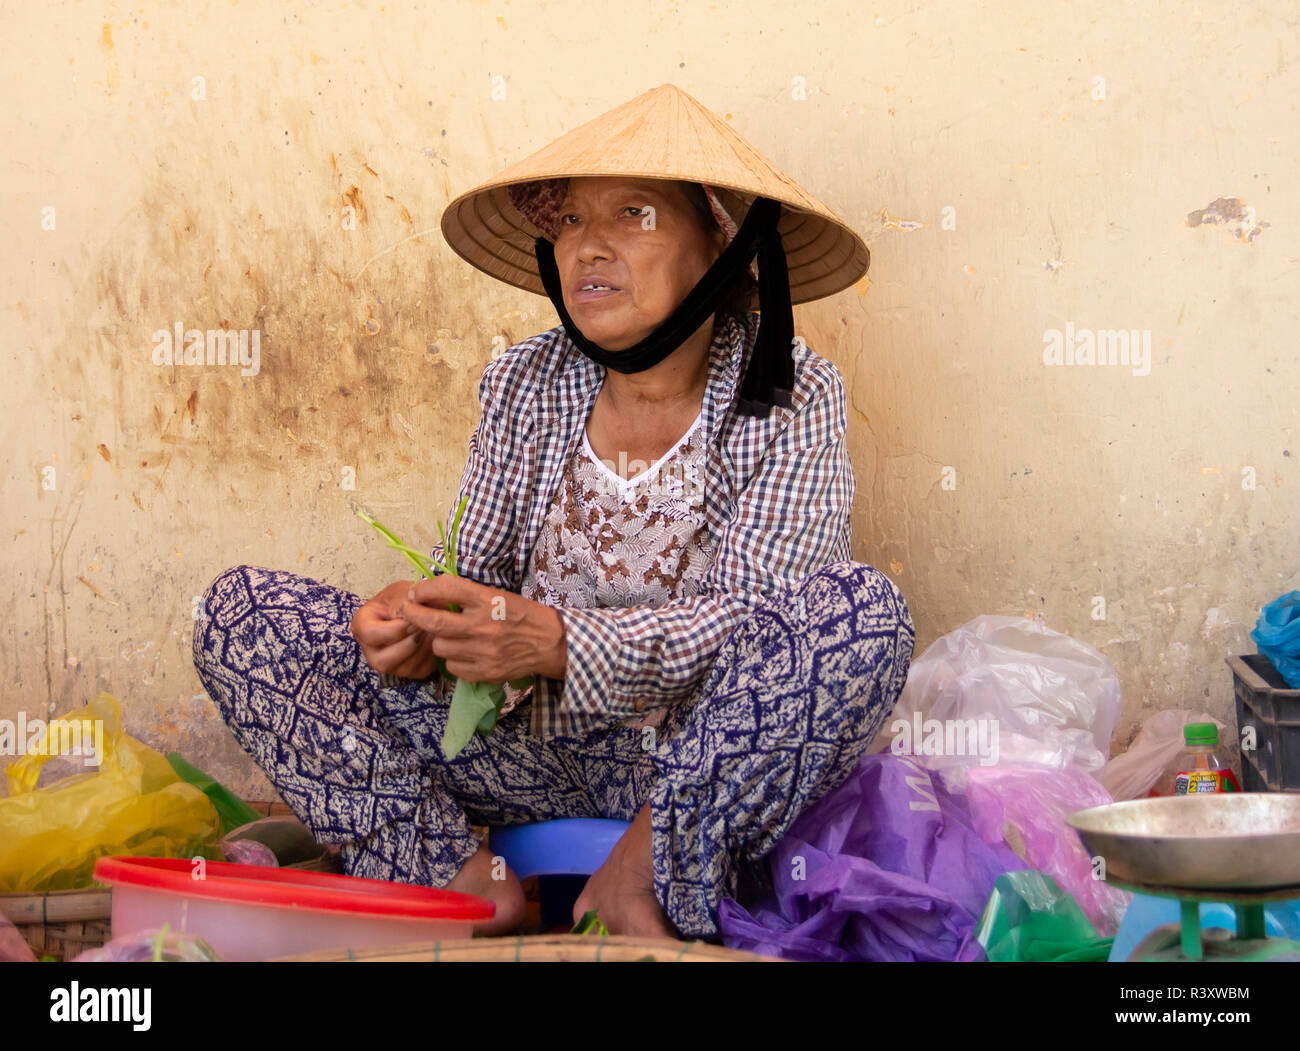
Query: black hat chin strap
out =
(769, 376)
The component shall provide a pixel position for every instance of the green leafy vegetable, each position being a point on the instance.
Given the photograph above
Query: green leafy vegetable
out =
(158, 943)
(475, 706)
(471, 704)
(590, 924)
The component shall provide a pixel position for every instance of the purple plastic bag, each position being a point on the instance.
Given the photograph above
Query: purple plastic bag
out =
(886, 867)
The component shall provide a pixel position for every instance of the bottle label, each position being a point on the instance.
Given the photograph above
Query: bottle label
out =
(1189, 782)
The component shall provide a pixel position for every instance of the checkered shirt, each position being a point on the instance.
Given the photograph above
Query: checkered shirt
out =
(778, 496)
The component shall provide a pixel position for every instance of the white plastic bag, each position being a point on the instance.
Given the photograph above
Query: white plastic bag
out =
(1007, 690)
(1133, 774)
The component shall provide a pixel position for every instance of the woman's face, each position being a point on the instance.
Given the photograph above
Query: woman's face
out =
(642, 239)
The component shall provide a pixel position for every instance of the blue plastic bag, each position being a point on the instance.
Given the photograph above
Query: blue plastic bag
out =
(1277, 634)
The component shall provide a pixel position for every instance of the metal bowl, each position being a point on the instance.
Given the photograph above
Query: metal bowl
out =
(1216, 841)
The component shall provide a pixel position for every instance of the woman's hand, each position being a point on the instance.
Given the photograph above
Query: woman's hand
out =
(497, 635)
(391, 644)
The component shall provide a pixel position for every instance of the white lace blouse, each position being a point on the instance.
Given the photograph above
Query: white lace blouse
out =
(615, 542)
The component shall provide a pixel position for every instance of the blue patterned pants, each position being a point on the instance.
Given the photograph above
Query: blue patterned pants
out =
(790, 704)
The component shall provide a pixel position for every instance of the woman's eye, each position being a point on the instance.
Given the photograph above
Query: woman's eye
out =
(637, 211)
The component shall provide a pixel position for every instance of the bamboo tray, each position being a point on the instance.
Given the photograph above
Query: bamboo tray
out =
(543, 948)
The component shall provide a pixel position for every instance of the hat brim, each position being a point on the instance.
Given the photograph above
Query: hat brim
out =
(485, 229)
(662, 134)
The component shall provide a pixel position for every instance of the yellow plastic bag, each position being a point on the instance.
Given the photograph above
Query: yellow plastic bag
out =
(132, 803)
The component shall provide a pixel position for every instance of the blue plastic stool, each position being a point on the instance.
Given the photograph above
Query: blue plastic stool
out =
(1145, 913)
(562, 853)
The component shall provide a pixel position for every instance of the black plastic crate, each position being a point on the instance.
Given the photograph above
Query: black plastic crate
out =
(1266, 703)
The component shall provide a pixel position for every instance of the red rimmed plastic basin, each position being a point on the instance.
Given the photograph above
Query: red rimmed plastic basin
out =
(250, 912)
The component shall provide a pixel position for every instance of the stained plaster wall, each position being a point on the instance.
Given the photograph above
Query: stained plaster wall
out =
(1015, 168)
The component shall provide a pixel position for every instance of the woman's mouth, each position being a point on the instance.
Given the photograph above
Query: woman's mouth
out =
(588, 293)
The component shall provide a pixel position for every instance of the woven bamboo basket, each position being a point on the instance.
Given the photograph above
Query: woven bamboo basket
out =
(63, 923)
(60, 923)
(543, 948)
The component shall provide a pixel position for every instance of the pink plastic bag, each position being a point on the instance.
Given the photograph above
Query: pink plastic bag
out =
(13, 946)
(1027, 807)
(248, 852)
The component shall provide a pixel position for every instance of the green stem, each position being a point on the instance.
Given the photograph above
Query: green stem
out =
(378, 525)
(417, 559)
(158, 942)
(455, 534)
(421, 561)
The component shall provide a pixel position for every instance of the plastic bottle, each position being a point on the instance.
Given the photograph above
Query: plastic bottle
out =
(1199, 767)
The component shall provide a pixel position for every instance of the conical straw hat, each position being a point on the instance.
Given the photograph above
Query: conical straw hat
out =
(663, 134)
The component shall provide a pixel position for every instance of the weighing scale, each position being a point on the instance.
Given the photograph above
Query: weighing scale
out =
(1242, 849)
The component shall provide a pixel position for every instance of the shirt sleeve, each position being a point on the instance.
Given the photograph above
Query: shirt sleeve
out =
(792, 518)
(489, 528)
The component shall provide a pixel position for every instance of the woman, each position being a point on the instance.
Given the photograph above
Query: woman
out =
(706, 658)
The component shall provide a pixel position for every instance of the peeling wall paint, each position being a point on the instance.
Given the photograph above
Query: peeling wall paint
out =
(294, 188)
(1232, 212)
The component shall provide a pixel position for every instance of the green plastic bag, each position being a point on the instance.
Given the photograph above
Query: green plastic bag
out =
(1029, 918)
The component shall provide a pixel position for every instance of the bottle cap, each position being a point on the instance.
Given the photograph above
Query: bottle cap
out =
(1201, 733)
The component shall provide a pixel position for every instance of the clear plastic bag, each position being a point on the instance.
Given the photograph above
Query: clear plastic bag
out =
(1018, 718)
(156, 945)
(1036, 696)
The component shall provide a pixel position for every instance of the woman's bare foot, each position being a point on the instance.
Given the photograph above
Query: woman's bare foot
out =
(484, 879)
(622, 890)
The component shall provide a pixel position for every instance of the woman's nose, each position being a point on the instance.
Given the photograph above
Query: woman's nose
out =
(593, 242)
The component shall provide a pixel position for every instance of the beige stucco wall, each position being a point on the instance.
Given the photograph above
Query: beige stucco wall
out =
(1069, 200)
